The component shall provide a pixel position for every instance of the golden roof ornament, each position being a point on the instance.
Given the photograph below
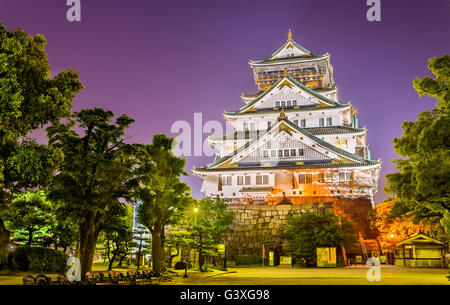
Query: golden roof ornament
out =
(282, 115)
(289, 35)
(285, 72)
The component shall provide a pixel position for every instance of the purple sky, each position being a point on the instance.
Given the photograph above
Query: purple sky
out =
(161, 61)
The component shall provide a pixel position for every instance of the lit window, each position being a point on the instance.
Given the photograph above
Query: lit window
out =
(321, 178)
(265, 153)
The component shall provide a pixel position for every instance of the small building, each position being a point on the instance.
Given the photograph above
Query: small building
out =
(419, 250)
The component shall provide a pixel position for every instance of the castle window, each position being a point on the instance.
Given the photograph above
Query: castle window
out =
(265, 153)
(321, 178)
(292, 152)
(273, 153)
(303, 123)
(283, 103)
(240, 180)
(288, 103)
(294, 103)
(329, 121)
(280, 153)
(226, 180)
(286, 152)
(300, 152)
(305, 178)
(328, 177)
(277, 104)
(321, 122)
(262, 179)
(247, 180)
(345, 177)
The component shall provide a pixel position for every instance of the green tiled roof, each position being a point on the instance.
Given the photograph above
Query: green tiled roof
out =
(269, 111)
(306, 133)
(311, 55)
(299, 84)
(245, 135)
(305, 166)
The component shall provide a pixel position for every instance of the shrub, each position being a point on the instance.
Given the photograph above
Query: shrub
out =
(40, 260)
(181, 265)
(248, 260)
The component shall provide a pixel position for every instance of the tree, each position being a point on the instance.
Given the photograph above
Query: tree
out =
(422, 184)
(141, 239)
(212, 221)
(394, 229)
(309, 231)
(99, 172)
(164, 197)
(117, 234)
(30, 99)
(29, 212)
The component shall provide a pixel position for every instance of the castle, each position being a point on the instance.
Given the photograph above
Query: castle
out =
(294, 143)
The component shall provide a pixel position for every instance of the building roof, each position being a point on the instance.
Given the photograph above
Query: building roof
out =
(245, 135)
(295, 82)
(357, 160)
(419, 238)
(273, 59)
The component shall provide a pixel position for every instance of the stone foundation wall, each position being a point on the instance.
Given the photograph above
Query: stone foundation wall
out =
(257, 224)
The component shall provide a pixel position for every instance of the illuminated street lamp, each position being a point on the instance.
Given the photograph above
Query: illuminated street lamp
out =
(195, 215)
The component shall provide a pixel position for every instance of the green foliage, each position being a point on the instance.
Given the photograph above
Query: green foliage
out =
(247, 259)
(210, 221)
(40, 260)
(29, 99)
(164, 197)
(29, 212)
(98, 172)
(309, 231)
(422, 184)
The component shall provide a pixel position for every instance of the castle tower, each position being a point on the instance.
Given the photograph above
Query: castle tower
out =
(293, 139)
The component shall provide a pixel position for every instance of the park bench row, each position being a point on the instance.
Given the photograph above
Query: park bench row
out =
(144, 277)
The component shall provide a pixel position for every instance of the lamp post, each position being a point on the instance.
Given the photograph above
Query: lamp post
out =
(195, 216)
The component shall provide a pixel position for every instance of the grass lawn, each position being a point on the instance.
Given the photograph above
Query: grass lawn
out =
(390, 275)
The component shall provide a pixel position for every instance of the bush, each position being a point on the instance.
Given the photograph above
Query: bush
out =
(248, 260)
(181, 265)
(37, 259)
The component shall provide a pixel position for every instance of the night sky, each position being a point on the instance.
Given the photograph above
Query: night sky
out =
(161, 61)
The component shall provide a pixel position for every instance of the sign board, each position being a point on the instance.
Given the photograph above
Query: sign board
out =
(326, 257)
(358, 259)
(221, 248)
(286, 260)
(271, 261)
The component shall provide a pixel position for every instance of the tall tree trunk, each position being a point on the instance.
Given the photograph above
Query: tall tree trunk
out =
(30, 237)
(157, 251)
(111, 262)
(4, 245)
(88, 235)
